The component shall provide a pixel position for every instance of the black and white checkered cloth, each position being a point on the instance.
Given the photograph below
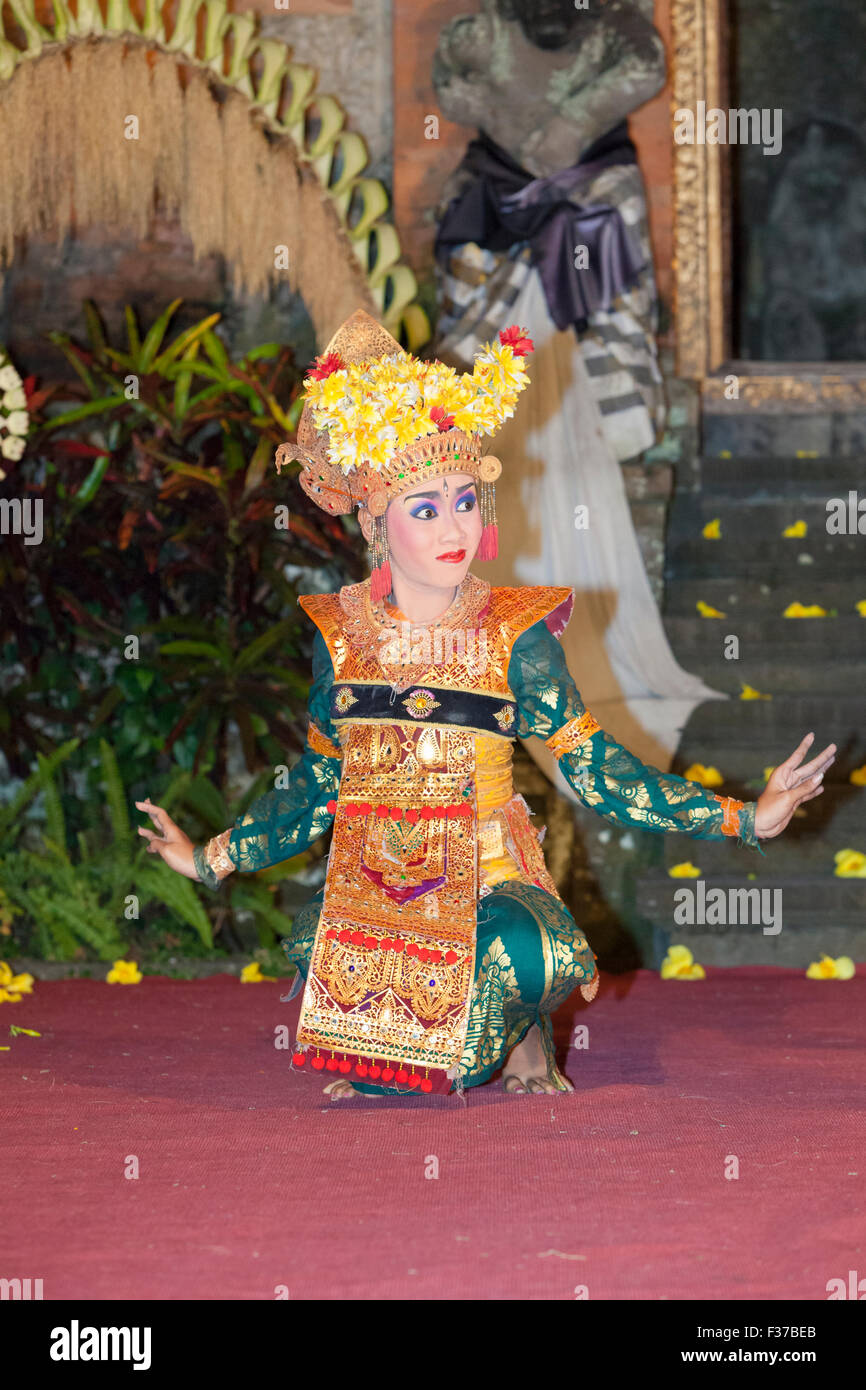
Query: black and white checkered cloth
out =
(478, 287)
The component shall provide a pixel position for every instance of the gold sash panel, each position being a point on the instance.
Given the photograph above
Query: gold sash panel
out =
(394, 957)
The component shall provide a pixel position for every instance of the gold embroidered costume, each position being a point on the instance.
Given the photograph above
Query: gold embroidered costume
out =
(439, 936)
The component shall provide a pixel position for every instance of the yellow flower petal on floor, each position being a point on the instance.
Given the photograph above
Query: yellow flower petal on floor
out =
(795, 530)
(124, 972)
(842, 968)
(713, 530)
(705, 776)
(858, 776)
(680, 964)
(31, 1032)
(850, 863)
(798, 610)
(13, 986)
(252, 974)
(749, 692)
(860, 605)
(685, 870)
(706, 610)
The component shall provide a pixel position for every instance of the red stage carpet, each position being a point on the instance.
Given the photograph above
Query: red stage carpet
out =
(250, 1179)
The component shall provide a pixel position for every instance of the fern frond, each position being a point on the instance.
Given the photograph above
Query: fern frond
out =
(162, 883)
(116, 799)
(10, 816)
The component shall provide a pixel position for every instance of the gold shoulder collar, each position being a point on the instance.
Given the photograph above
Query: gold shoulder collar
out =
(326, 613)
(519, 609)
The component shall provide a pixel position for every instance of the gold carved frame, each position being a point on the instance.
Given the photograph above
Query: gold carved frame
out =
(702, 246)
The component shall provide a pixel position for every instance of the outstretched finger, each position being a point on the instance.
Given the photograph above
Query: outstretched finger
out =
(818, 763)
(798, 754)
(155, 813)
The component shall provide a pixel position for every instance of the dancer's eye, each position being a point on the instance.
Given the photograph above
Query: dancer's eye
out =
(425, 512)
(466, 503)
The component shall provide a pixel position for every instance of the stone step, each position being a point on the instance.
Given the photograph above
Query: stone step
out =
(818, 915)
(763, 519)
(742, 737)
(775, 669)
(798, 676)
(779, 563)
(764, 476)
(813, 639)
(767, 600)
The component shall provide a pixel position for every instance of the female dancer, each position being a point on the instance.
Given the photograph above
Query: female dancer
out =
(439, 947)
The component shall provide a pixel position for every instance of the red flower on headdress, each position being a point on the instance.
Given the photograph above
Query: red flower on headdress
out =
(440, 419)
(324, 366)
(515, 338)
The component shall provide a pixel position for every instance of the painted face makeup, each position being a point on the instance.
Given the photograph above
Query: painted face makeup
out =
(433, 533)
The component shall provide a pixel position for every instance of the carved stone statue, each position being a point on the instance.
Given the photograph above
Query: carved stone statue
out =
(545, 79)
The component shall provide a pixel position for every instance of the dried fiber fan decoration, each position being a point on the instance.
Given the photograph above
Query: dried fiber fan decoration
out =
(377, 420)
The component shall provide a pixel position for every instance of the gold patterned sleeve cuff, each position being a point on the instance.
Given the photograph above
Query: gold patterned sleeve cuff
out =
(573, 734)
(216, 855)
(322, 745)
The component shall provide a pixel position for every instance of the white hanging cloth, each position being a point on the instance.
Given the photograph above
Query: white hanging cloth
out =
(556, 460)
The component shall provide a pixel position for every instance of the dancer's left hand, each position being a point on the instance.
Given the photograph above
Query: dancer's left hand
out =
(789, 785)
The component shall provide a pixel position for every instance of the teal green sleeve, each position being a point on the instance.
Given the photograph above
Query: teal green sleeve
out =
(286, 820)
(605, 775)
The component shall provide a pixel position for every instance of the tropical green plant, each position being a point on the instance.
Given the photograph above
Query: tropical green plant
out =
(159, 612)
(91, 899)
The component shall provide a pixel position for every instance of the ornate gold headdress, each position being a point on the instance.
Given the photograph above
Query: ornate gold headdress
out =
(376, 420)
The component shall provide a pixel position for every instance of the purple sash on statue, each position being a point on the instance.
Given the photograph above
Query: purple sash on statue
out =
(504, 204)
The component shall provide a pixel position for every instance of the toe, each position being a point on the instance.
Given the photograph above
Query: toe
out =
(539, 1086)
(513, 1085)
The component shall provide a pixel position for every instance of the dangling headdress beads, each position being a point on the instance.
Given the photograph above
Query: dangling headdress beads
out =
(380, 578)
(489, 547)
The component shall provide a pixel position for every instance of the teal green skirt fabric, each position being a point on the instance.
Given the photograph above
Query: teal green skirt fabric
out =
(530, 956)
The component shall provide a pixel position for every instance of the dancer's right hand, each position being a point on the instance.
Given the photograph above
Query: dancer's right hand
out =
(174, 847)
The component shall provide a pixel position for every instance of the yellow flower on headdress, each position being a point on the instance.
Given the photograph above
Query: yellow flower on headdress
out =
(393, 397)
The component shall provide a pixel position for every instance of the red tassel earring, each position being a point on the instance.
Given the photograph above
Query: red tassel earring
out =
(380, 578)
(488, 471)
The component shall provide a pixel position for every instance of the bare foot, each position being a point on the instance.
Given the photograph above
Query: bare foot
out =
(341, 1088)
(526, 1068)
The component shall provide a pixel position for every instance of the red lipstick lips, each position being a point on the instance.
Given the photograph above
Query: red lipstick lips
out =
(453, 557)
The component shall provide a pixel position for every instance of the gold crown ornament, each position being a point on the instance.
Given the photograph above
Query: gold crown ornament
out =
(377, 420)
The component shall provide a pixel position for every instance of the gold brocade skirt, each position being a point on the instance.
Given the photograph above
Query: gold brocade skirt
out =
(530, 956)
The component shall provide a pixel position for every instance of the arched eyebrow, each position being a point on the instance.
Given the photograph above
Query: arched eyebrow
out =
(434, 496)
